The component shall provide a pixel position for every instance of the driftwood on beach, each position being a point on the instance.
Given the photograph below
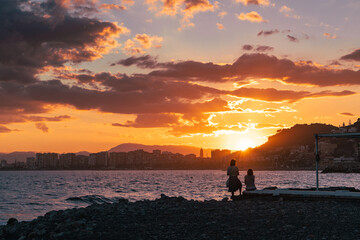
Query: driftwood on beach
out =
(177, 218)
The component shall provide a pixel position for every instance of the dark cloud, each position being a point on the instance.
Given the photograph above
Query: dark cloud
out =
(42, 126)
(272, 94)
(335, 63)
(258, 66)
(47, 34)
(4, 129)
(255, 2)
(354, 56)
(145, 61)
(263, 48)
(292, 38)
(288, 37)
(156, 102)
(49, 119)
(195, 71)
(259, 48)
(21, 117)
(347, 114)
(267, 33)
(247, 47)
(144, 96)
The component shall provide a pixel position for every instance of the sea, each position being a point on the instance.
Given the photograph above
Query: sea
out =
(25, 195)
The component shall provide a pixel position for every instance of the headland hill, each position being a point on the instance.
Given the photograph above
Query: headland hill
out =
(288, 149)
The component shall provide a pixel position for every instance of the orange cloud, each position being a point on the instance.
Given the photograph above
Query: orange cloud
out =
(147, 41)
(151, 121)
(42, 126)
(112, 6)
(220, 26)
(222, 14)
(140, 43)
(128, 2)
(254, 2)
(328, 35)
(251, 16)
(184, 8)
(285, 9)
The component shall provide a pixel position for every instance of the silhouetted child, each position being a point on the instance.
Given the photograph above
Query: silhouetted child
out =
(250, 180)
(233, 182)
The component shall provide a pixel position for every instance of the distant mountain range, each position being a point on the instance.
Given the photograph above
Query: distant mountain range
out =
(126, 147)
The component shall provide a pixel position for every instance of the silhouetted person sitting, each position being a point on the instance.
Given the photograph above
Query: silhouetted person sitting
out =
(233, 182)
(250, 180)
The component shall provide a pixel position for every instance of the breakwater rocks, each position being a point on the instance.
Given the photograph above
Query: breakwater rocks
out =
(177, 218)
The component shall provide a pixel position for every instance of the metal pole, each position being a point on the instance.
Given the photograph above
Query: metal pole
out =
(317, 157)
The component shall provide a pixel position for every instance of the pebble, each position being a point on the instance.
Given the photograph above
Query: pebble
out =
(178, 218)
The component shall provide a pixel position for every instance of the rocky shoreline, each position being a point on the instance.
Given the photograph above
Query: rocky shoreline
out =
(178, 218)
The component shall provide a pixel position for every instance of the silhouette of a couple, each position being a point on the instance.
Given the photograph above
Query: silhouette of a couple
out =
(234, 184)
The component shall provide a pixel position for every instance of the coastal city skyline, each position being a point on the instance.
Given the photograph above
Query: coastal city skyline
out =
(87, 75)
(281, 152)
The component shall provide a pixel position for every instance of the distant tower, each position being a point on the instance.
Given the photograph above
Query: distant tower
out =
(201, 153)
(350, 122)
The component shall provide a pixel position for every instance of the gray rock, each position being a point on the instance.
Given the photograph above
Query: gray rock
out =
(12, 221)
(31, 235)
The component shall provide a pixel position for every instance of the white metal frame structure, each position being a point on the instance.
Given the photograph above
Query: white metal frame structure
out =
(317, 157)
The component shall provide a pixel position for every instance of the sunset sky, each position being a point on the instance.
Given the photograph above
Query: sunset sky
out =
(90, 74)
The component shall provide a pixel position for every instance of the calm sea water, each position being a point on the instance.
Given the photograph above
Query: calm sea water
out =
(28, 194)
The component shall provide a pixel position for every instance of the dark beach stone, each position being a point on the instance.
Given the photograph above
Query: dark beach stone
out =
(12, 221)
(31, 235)
(163, 197)
(123, 200)
(22, 237)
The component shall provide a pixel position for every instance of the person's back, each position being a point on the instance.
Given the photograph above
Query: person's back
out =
(233, 171)
(233, 183)
(250, 181)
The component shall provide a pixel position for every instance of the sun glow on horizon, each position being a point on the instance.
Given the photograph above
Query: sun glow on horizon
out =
(240, 141)
(243, 144)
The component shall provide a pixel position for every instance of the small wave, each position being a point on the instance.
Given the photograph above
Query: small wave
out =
(91, 199)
